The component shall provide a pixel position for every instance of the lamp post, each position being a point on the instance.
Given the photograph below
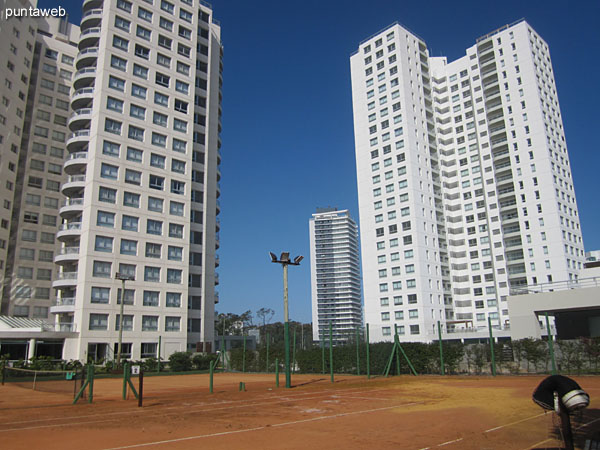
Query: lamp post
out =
(123, 277)
(285, 261)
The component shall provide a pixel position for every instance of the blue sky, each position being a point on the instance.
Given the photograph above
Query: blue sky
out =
(288, 143)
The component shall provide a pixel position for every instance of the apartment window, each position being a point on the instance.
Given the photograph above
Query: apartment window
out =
(160, 140)
(109, 171)
(116, 83)
(182, 87)
(149, 323)
(120, 43)
(163, 60)
(135, 133)
(144, 14)
(173, 300)
(128, 247)
(102, 269)
(133, 177)
(153, 250)
(129, 223)
(167, 6)
(122, 24)
(103, 244)
(137, 111)
(185, 15)
(161, 99)
(144, 33)
(98, 322)
(176, 208)
(183, 68)
(151, 274)
(112, 126)
(155, 204)
(107, 195)
(162, 79)
(174, 276)
(172, 323)
(124, 5)
(154, 227)
(179, 145)
(177, 166)
(141, 72)
(414, 329)
(133, 154)
(175, 230)
(131, 199)
(105, 219)
(177, 187)
(164, 42)
(180, 125)
(142, 51)
(118, 63)
(138, 91)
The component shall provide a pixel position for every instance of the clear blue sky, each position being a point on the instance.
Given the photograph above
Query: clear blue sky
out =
(288, 143)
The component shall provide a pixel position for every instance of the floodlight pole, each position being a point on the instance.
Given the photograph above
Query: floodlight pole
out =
(123, 278)
(285, 261)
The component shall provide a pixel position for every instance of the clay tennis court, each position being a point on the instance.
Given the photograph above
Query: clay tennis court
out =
(352, 413)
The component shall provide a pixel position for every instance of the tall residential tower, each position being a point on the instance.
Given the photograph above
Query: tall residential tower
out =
(464, 181)
(334, 275)
(142, 187)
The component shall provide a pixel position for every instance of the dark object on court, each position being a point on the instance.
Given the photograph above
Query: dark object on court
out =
(564, 396)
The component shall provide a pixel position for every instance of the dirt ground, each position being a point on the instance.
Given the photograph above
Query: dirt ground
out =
(415, 413)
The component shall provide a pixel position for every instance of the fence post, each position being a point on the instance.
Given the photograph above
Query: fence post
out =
(244, 354)
(211, 372)
(357, 353)
(267, 352)
(125, 377)
(441, 349)
(322, 356)
(276, 372)
(331, 349)
(551, 345)
(159, 342)
(368, 356)
(294, 353)
(492, 347)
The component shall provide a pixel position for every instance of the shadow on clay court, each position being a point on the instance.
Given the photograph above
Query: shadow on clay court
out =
(585, 425)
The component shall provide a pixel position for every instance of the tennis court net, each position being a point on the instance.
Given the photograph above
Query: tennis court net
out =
(56, 381)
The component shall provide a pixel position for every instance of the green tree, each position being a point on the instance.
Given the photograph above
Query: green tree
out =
(180, 361)
(534, 351)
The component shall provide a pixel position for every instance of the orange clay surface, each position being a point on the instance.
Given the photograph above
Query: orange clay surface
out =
(424, 412)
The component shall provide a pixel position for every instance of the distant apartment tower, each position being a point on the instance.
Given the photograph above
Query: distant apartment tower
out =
(142, 188)
(335, 275)
(36, 195)
(464, 181)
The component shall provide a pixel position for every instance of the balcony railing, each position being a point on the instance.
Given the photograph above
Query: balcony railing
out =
(73, 202)
(65, 301)
(69, 251)
(66, 276)
(70, 226)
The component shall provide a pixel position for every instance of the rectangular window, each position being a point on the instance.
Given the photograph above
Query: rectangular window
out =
(107, 195)
(138, 91)
(128, 247)
(129, 223)
(174, 276)
(133, 177)
(131, 199)
(100, 295)
(105, 219)
(173, 300)
(98, 322)
(135, 133)
(133, 154)
(103, 244)
(151, 298)
(102, 269)
(141, 72)
(137, 111)
(120, 43)
(144, 14)
(152, 274)
(149, 323)
(154, 227)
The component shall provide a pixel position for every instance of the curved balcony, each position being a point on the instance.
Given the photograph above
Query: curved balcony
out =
(89, 38)
(63, 305)
(80, 119)
(86, 58)
(82, 98)
(67, 254)
(68, 231)
(71, 208)
(73, 184)
(78, 140)
(91, 4)
(84, 78)
(64, 279)
(90, 18)
(76, 163)
(65, 327)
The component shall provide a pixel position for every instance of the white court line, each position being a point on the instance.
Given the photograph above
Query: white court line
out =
(514, 423)
(187, 406)
(284, 424)
(162, 414)
(450, 442)
(551, 439)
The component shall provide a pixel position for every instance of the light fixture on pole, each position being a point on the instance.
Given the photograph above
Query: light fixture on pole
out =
(123, 277)
(285, 261)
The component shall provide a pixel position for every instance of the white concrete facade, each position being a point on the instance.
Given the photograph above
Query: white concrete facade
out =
(143, 161)
(334, 275)
(464, 181)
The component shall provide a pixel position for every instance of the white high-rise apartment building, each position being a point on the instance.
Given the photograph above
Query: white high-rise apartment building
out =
(464, 181)
(27, 290)
(143, 158)
(334, 275)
